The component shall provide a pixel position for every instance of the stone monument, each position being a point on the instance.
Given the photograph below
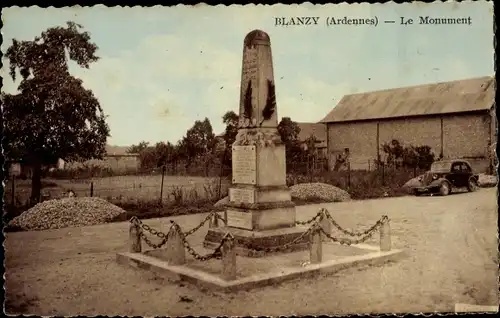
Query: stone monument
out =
(260, 213)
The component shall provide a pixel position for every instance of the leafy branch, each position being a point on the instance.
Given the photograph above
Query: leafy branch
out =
(247, 104)
(270, 107)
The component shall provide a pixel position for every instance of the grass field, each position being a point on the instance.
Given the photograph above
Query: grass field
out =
(125, 188)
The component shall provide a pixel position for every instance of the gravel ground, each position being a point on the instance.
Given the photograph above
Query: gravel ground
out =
(452, 245)
(67, 212)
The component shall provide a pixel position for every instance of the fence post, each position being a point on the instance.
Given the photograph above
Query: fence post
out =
(349, 174)
(316, 247)
(228, 258)
(162, 179)
(176, 255)
(385, 236)
(326, 225)
(13, 190)
(383, 173)
(91, 188)
(369, 168)
(135, 238)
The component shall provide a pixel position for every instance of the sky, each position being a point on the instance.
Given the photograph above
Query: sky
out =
(162, 68)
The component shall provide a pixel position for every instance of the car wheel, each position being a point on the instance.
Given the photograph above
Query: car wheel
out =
(444, 189)
(472, 185)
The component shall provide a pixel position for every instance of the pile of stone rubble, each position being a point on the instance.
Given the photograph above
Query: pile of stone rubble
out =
(67, 212)
(322, 191)
(309, 191)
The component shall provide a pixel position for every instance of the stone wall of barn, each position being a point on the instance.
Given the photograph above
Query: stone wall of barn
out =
(456, 136)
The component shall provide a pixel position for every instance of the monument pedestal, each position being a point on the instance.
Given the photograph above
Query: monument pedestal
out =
(257, 243)
(260, 216)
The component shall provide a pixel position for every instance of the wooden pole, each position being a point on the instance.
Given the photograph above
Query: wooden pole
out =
(162, 179)
(13, 190)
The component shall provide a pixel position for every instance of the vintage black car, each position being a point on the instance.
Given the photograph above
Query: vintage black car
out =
(445, 176)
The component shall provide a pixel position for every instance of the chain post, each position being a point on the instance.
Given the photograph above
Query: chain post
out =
(214, 221)
(228, 252)
(176, 255)
(385, 236)
(316, 245)
(135, 237)
(326, 225)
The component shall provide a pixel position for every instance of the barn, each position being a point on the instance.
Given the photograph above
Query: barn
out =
(456, 119)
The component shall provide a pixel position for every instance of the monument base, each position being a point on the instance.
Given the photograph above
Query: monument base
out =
(258, 243)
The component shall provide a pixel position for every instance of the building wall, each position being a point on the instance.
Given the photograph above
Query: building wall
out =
(462, 136)
(359, 137)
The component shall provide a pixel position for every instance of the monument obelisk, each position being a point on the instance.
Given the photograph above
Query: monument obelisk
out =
(260, 213)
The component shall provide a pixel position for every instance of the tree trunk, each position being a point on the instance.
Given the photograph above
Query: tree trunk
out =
(36, 183)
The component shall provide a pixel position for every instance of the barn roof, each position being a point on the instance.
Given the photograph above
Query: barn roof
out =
(430, 99)
(316, 129)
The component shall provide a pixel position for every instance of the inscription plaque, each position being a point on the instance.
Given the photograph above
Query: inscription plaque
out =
(240, 220)
(241, 195)
(244, 165)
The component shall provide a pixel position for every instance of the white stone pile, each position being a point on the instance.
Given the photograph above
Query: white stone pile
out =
(317, 190)
(67, 212)
(308, 191)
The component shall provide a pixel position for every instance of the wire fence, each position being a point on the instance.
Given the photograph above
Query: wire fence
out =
(172, 184)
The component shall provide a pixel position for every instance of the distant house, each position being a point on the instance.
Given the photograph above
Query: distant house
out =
(316, 130)
(18, 168)
(116, 159)
(456, 119)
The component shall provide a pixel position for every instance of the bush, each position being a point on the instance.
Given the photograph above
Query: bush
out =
(409, 156)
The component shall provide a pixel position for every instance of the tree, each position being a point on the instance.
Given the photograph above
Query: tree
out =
(138, 148)
(230, 119)
(289, 132)
(199, 141)
(53, 116)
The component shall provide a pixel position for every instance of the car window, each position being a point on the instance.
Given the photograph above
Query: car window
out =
(455, 167)
(465, 167)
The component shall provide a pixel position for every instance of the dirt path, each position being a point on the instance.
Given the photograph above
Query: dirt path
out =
(452, 242)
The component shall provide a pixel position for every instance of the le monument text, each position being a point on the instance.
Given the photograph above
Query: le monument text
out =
(368, 21)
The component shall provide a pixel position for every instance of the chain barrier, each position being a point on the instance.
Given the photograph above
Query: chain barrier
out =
(144, 227)
(360, 233)
(345, 241)
(209, 216)
(221, 218)
(314, 219)
(217, 253)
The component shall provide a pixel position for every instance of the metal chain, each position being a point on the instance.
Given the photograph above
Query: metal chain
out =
(344, 241)
(200, 225)
(360, 233)
(217, 253)
(221, 218)
(144, 227)
(314, 219)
